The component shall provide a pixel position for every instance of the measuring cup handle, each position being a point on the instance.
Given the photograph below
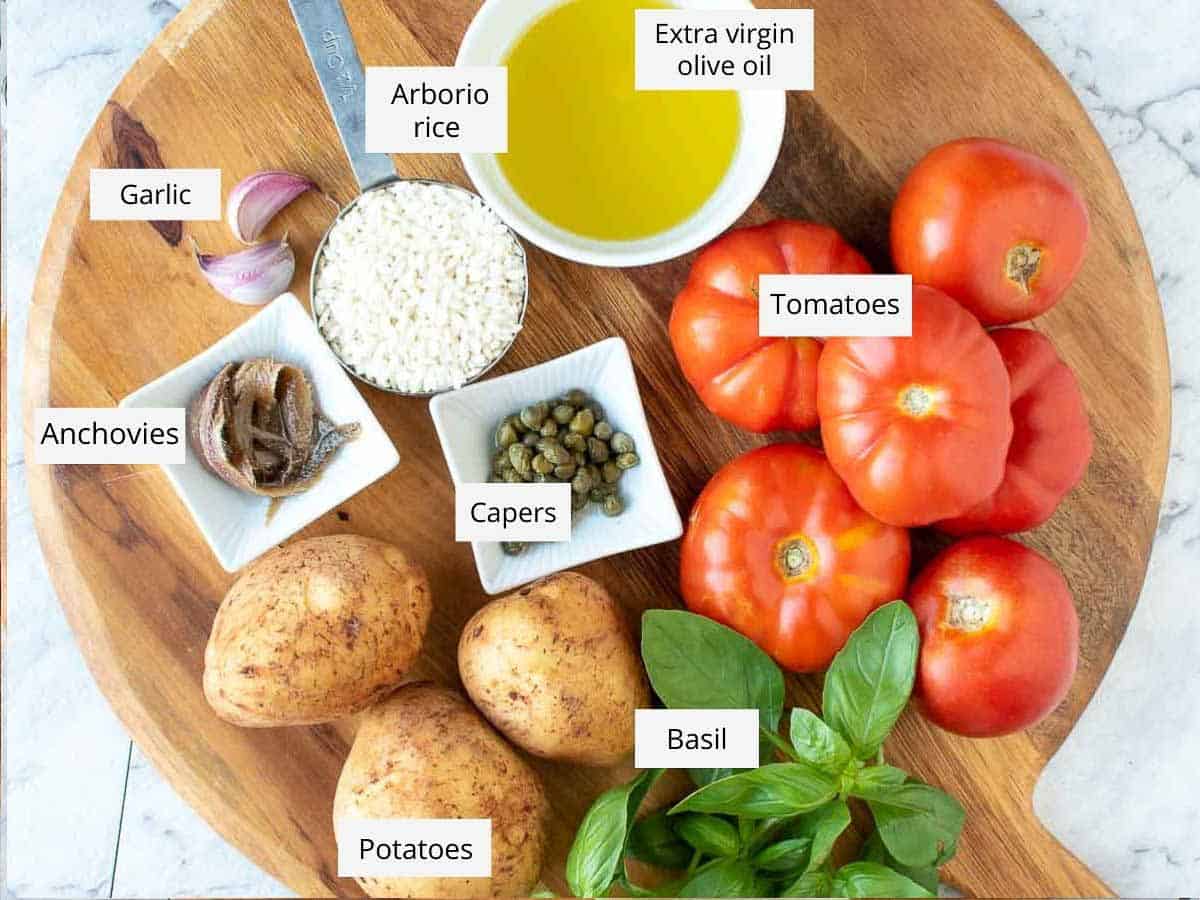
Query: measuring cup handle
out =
(334, 57)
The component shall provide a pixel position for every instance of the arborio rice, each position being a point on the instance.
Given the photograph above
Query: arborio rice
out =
(420, 287)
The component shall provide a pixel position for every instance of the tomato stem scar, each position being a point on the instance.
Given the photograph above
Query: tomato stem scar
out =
(796, 558)
(969, 613)
(916, 400)
(1022, 264)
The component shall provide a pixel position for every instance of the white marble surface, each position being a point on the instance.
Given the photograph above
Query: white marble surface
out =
(87, 816)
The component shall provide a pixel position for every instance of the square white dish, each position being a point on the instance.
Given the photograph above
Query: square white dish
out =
(466, 421)
(233, 522)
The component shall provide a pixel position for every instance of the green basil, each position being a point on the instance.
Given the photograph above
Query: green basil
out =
(926, 876)
(696, 663)
(722, 878)
(823, 826)
(789, 855)
(870, 879)
(780, 789)
(817, 743)
(710, 835)
(917, 823)
(870, 680)
(654, 841)
(810, 884)
(871, 780)
(595, 858)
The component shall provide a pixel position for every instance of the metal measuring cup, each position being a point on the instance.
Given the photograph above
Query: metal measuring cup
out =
(326, 35)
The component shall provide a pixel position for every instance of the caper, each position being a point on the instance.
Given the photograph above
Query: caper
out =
(506, 435)
(573, 441)
(578, 501)
(576, 397)
(539, 478)
(622, 443)
(549, 428)
(603, 430)
(511, 476)
(545, 444)
(542, 465)
(558, 455)
(530, 438)
(600, 491)
(517, 424)
(582, 482)
(533, 416)
(580, 458)
(583, 422)
(520, 457)
(563, 413)
(565, 472)
(513, 548)
(611, 472)
(628, 460)
(500, 462)
(612, 505)
(593, 473)
(527, 476)
(597, 450)
(596, 410)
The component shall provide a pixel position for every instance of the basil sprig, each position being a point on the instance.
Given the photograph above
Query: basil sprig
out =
(771, 831)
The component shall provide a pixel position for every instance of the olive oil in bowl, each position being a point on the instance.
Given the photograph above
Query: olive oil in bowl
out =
(590, 154)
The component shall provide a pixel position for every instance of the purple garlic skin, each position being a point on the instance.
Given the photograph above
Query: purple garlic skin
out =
(256, 199)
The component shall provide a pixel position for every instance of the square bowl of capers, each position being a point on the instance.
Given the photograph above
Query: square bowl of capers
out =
(577, 419)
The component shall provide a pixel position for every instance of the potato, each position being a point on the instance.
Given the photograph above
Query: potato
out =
(314, 631)
(424, 753)
(555, 668)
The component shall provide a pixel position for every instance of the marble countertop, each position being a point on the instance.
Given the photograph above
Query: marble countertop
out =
(86, 814)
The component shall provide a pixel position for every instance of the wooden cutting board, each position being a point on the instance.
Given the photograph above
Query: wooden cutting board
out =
(228, 84)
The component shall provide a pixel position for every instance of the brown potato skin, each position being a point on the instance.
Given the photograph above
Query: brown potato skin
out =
(425, 753)
(555, 668)
(314, 631)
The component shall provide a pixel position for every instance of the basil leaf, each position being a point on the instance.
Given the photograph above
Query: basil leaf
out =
(817, 743)
(696, 663)
(595, 857)
(823, 826)
(780, 789)
(925, 876)
(870, 879)
(872, 779)
(917, 823)
(722, 878)
(869, 682)
(654, 841)
(810, 884)
(789, 855)
(541, 891)
(710, 835)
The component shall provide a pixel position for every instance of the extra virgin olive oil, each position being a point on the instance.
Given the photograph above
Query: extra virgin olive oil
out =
(592, 155)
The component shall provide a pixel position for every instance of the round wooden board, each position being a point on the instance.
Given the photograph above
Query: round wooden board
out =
(228, 84)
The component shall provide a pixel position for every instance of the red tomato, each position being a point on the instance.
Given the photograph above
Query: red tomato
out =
(917, 427)
(777, 549)
(1001, 230)
(999, 637)
(760, 384)
(1051, 443)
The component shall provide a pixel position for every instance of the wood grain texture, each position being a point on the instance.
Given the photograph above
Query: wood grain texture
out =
(227, 84)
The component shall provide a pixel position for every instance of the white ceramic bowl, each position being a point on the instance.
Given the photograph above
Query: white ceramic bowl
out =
(234, 522)
(490, 36)
(466, 420)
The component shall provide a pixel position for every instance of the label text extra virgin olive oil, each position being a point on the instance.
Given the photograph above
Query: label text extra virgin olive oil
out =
(592, 155)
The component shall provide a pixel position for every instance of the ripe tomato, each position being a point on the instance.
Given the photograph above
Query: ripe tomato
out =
(999, 229)
(777, 549)
(761, 384)
(999, 637)
(917, 427)
(1051, 443)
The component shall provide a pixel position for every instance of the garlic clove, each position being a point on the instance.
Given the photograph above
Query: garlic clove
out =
(256, 199)
(252, 277)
